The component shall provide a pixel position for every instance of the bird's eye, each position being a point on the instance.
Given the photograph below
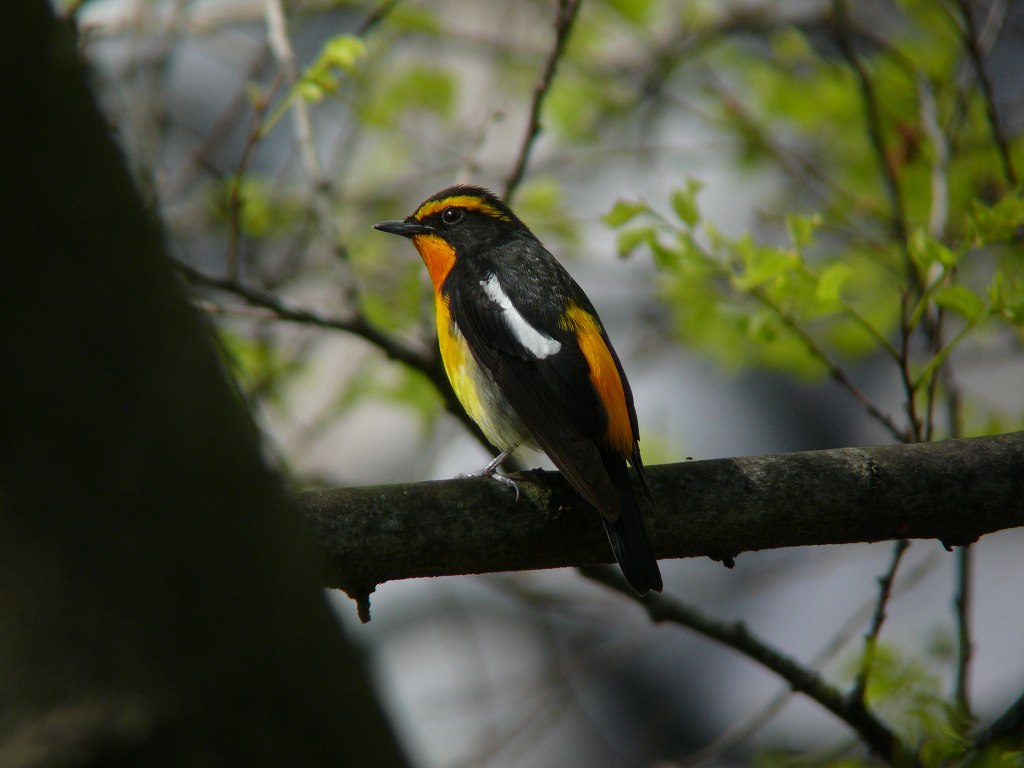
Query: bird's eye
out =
(452, 215)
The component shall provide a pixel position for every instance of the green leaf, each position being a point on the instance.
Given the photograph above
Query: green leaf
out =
(665, 256)
(831, 281)
(263, 209)
(790, 45)
(925, 250)
(802, 228)
(310, 91)
(763, 264)
(344, 52)
(637, 11)
(629, 240)
(623, 211)
(961, 300)
(999, 223)
(997, 291)
(540, 202)
(684, 202)
(416, 88)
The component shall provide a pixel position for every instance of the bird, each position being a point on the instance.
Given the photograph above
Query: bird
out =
(530, 360)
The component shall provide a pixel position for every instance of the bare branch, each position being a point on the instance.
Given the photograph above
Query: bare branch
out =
(835, 371)
(860, 685)
(742, 730)
(375, 17)
(1009, 725)
(280, 44)
(355, 324)
(973, 44)
(567, 10)
(235, 198)
(954, 491)
(662, 608)
(939, 210)
(965, 646)
(873, 115)
(426, 363)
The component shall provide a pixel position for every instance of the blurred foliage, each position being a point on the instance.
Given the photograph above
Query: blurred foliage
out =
(910, 697)
(260, 209)
(893, 234)
(913, 249)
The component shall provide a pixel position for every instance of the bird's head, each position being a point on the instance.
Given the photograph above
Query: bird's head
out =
(458, 222)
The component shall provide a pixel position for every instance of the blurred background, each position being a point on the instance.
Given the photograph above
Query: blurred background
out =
(715, 175)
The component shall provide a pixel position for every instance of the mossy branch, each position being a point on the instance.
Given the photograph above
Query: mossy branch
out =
(953, 491)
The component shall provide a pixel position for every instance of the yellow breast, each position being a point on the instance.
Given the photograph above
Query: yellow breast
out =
(479, 395)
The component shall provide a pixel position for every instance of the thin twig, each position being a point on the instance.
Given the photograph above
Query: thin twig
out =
(837, 373)
(1009, 725)
(941, 370)
(235, 197)
(940, 156)
(965, 647)
(898, 217)
(801, 170)
(906, 376)
(220, 130)
(860, 685)
(355, 324)
(873, 115)
(834, 369)
(972, 42)
(322, 192)
(470, 165)
(567, 10)
(427, 363)
(280, 45)
(661, 608)
(374, 18)
(742, 730)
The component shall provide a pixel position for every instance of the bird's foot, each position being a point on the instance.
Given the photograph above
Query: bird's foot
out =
(495, 475)
(491, 470)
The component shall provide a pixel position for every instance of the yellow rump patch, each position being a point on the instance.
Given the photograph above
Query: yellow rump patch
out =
(438, 255)
(469, 202)
(604, 375)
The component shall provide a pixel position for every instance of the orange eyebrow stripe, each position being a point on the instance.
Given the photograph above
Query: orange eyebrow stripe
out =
(469, 202)
(604, 375)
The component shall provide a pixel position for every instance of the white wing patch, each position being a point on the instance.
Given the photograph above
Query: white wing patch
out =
(539, 344)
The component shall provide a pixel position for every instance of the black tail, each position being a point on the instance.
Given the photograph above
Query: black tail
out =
(627, 534)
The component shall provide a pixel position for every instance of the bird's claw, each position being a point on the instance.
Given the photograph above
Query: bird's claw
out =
(508, 481)
(496, 475)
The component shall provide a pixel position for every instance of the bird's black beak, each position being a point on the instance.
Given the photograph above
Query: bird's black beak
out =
(404, 228)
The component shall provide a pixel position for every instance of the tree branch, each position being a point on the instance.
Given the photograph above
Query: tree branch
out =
(357, 324)
(962, 604)
(873, 117)
(663, 608)
(954, 491)
(860, 684)
(1009, 725)
(567, 10)
(975, 49)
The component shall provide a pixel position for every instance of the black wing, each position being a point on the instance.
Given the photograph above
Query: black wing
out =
(552, 394)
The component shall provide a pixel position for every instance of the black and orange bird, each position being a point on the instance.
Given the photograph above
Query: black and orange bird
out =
(529, 359)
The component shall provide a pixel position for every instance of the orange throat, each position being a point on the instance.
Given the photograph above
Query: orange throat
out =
(437, 255)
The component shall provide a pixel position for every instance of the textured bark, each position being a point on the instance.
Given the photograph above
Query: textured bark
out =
(953, 491)
(160, 602)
